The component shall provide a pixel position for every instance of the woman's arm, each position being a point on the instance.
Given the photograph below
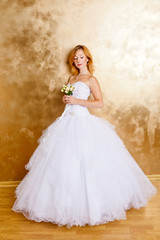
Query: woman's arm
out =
(89, 103)
(96, 92)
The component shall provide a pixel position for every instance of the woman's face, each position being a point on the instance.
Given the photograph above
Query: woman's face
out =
(80, 59)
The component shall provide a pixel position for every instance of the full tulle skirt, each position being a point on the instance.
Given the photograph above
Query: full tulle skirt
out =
(81, 173)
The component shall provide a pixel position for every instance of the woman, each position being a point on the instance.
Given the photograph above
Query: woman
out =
(81, 172)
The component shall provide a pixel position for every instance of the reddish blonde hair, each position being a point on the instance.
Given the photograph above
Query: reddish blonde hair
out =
(86, 51)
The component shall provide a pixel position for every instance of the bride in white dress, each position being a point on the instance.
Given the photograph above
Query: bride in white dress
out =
(81, 172)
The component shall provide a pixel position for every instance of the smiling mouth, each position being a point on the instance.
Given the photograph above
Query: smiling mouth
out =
(79, 64)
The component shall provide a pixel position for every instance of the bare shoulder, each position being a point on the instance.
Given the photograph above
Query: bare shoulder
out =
(93, 81)
(95, 87)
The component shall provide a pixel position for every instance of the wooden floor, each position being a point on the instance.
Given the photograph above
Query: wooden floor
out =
(142, 224)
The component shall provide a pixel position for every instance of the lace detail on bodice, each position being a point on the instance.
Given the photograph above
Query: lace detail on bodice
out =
(81, 91)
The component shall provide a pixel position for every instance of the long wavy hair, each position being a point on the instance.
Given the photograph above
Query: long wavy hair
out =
(86, 51)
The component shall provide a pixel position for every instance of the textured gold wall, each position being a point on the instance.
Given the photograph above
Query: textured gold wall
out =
(35, 39)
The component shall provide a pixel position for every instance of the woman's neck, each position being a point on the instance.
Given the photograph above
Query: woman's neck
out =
(83, 71)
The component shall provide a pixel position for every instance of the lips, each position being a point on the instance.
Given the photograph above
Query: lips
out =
(79, 64)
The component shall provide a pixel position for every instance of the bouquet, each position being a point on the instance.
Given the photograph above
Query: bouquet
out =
(68, 90)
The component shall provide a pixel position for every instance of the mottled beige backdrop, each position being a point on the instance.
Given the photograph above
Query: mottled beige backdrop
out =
(35, 39)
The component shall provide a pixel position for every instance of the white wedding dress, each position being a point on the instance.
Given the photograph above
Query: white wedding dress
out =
(81, 172)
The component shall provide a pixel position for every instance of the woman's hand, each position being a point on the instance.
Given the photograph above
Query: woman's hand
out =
(69, 99)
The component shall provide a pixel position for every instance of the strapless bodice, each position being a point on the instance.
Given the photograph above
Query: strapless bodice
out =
(81, 91)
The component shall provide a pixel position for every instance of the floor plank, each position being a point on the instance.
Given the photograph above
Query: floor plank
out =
(142, 224)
